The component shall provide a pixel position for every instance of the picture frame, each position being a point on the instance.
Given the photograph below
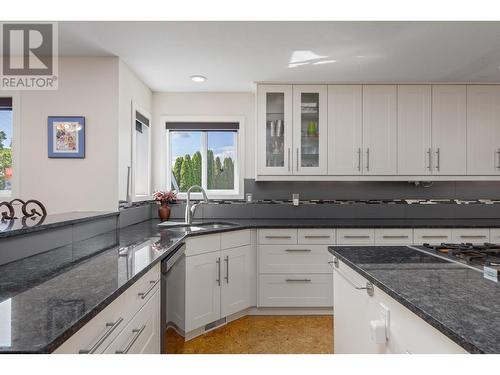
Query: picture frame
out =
(66, 137)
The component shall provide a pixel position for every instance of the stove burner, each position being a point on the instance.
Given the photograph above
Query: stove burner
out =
(486, 254)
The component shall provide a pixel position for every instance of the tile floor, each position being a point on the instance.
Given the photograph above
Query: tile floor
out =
(263, 334)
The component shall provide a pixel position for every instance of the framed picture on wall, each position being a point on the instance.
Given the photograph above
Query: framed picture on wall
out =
(66, 137)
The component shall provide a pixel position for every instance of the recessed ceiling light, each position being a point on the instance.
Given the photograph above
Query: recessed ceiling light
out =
(324, 62)
(198, 78)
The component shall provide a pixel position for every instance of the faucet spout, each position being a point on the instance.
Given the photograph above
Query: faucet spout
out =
(191, 208)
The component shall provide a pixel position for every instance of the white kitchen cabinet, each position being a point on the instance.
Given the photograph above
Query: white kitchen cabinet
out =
(310, 129)
(449, 129)
(394, 236)
(203, 289)
(470, 235)
(356, 236)
(355, 309)
(414, 130)
(235, 293)
(274, 130)
(345, 129)
(431, 236)
(294, 259)
(380, 129)
(317, 236)
(483, 130)
(142, 334)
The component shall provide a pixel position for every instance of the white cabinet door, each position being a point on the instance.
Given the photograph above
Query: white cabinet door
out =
(345, 129)
(235, 293)
(310, 129)
(380, 129)
(414, 130)
(483, 129)
(274, 130)
(203, 281)
(449, 128)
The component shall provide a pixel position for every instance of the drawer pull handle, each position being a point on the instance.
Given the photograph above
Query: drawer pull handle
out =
(110, 328)
(318, 236)
(394, 237)
(428, 236)
(137, 332)
(226, 259)
(218, 271)
(473, 236)
(277, 237)
(298, 250)
(298, 280)
(352, 236)
(145, 294)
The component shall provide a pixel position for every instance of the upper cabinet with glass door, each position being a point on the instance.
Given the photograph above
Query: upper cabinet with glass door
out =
(274, 131)
(309, 130)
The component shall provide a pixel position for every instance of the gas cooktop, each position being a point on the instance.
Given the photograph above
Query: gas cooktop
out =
(486, 254)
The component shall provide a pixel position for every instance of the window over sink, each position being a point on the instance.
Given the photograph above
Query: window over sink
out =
(205, 153)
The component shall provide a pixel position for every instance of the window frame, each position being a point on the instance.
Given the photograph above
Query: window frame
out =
(133, 195)
(237, 192)
(16, 144)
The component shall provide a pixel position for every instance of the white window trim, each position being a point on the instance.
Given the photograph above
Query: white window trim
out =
(16, 144)
(139, 198)
(238, 192)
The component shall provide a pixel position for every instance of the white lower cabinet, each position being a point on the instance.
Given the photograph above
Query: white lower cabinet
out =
(470, 235)
(218, 282)
(396, 236)
(431, 236)
(355, 309)
(356, 236)
(138, 305)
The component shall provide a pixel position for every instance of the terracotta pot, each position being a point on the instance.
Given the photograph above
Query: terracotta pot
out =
(164, 212)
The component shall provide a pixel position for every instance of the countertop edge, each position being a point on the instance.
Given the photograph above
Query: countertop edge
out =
(459, 340)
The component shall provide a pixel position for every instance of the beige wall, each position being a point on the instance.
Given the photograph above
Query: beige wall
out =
(201, 104)
(87, 87)
(132, 91)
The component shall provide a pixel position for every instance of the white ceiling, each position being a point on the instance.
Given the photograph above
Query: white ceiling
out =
(235, 54)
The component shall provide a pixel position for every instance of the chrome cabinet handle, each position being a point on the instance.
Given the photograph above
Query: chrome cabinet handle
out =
(137, 332)
(288, 159)
(429, 154)
(438, 162)
(298, 280)
(297, 161)
(218, 271)
(298, 250)
(277, 237)
(428, 236)
(153, 284)
(226, 259)
(110, 328)
(359, 159)
(473, 236)
(498, 159)
(394, 237)
(349, 236)
(367, 159)
(318, 236)
(368, 287)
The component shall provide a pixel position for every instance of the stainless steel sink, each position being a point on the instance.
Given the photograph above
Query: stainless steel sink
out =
(216, 225)
(195, 227)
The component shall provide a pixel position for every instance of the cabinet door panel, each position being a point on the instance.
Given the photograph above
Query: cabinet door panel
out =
(345, 128)
(309, 129)
(414, 130)
(449, 129)
(274, 130)
(235, 294)
(483, 129)
(380, 129)
(203, 273)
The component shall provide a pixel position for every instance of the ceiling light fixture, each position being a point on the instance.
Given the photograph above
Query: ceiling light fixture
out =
(198, 78)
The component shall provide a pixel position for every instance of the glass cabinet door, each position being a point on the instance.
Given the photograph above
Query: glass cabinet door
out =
(274, 130)
(310, 129)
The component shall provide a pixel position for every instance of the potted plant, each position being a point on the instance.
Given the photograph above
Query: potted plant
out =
(164, 198)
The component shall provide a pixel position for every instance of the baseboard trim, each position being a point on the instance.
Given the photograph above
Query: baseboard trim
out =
(290, 311)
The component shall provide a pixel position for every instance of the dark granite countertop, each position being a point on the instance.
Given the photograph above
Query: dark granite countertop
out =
(453, 298)
(26, 225)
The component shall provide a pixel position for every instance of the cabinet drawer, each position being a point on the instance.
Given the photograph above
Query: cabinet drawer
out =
(316, 236)
(403, 236)
(142, 334)
(294, 259)
(431, 236)
(472, 235)
(306, 290)
(495, 235)
(278, 236)
(238, 238)
(206, 243)
(97, 334)
(355, 236)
